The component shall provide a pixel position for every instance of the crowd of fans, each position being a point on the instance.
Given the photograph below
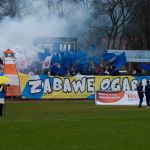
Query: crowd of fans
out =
(71, 63)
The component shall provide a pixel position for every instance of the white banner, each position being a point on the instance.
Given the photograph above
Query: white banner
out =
(117, 98)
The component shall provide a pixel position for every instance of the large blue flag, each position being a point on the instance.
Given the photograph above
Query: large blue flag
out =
(81, 55)
(56, 47)
(93, 47)
(42, 56)
(144, 66)
(55, 59)
(108, 56)
(119, 61)
(96, 60)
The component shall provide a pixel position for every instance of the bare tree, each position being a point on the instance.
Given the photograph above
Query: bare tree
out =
(7, 8)
(113, 17)
(62, 7)
(143, 19)
(121, 13)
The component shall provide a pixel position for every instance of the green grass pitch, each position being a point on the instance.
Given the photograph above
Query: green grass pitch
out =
(73, 125)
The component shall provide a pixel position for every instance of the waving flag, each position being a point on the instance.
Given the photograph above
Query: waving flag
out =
(80, 55)
(96, 60)
(22, 62)
(47, 62)
(119, 61)
(108, 56)
(93, 47)
(55, 59)
(56, 47)
(43, 53)
(144, 66)
(42, 56)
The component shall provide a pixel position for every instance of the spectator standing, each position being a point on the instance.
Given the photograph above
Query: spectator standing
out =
(106, 72)
(147, 93)
(140, 93)
(91, 68)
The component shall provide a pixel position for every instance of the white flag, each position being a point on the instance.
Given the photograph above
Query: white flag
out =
(47, 62)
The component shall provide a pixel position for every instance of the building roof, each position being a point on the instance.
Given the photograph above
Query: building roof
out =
(8, 51)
